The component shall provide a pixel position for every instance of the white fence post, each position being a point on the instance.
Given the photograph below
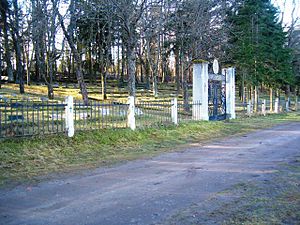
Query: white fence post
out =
(287, 105)
(130, 113)
(174, 111)
(230, 92)
(249, 108)
(69, 114)
(276, 105)
(263, 107)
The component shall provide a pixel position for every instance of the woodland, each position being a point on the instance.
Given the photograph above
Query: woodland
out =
(147, 42)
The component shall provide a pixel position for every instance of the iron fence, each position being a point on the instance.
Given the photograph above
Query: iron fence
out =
(189, 112)
(40, 117)
(29, 117)
(152, 113)
(97, 115)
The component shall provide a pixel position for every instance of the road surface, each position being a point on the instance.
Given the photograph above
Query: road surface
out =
(148, 191)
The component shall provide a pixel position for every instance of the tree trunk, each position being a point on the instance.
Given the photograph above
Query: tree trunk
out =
(271, 100)
(103, 85)
(288, 94)
(121, 80)
(18, 50)
(1, 71)
(255, 99)
(79, 74)
(90, 64)
(142, 73)
(7, 54)
(185, 91)
(177, 70)
(154, 85)
(131, 69)
(50, 91)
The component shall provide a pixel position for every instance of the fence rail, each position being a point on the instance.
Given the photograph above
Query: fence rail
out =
(20, 118)
(97, 115)
(28, 118)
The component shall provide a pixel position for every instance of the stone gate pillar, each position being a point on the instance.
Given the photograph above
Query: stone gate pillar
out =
(230, 92)
(200, 90)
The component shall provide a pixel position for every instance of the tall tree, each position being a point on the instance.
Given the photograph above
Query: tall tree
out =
(69, 34)
(18, 45)
(258, 44)
(4, 9)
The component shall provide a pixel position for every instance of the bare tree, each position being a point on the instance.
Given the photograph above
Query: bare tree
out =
(69, 35)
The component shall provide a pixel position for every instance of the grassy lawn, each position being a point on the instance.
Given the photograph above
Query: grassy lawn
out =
(23, 160)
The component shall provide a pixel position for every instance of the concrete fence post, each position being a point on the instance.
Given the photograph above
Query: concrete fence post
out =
(296, 103)
(276, 105)
(230, 92)
(130, 113)
(263, 107)
(174, 111)
(200, 91)
(69, 116)
(249, 108)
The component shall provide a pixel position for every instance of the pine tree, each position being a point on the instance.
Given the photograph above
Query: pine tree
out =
(258, 44)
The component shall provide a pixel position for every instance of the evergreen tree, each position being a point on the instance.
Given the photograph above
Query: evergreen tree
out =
(258, 44)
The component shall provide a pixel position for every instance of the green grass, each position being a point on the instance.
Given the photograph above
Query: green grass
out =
(25, 159)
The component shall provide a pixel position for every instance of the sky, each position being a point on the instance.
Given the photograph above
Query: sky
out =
(287, 10)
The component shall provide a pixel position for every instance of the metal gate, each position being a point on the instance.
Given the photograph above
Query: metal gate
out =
(216, 97)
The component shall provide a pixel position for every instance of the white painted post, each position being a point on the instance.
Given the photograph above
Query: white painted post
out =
(263, 107)
(230, 92)
(174, 111)
(287, 105)
(200, 91)
(276, 105)
(249, 106)
(130, 113)
(69, 114)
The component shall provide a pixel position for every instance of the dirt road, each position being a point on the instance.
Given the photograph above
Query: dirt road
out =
(148, 191)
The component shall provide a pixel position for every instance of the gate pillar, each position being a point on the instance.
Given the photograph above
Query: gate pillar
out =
(200, 90)
(230, 92)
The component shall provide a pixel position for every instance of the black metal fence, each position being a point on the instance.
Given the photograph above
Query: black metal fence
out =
(97, 115)
(152, 113)
(20, 118)
(188, 112)
(28, 117)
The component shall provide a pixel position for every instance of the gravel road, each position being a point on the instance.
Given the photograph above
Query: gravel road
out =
(148, 191)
